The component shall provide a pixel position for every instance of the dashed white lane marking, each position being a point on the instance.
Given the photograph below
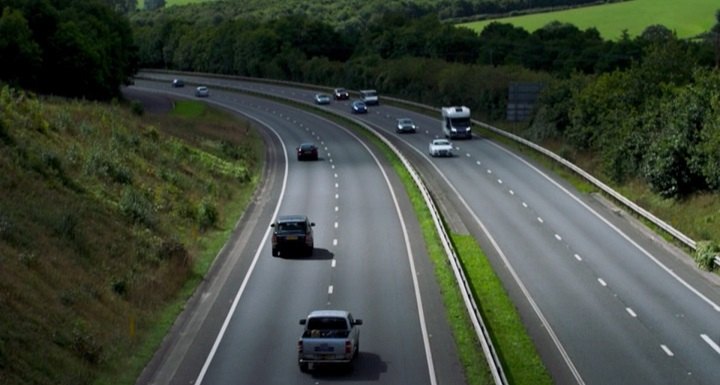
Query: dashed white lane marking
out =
(478, 163)
(667, 350)
(578, 257)
(710, 342)
(511, 192)
(337, 208)
(332, 166)
(335, 242)
(540, 220)
(467, 154)
(558, 237)
(337, 185)
(336, 175)
(336, 225)
(631, 312)
(525, 205)
(337, 196)
(499, 181)
(330, 289)
(333, 263)
(489, 171)
(602, 282)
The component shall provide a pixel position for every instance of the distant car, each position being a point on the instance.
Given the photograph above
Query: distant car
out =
(292, 233)
(440, 147)
(341, 94)
(202, 92)
(359, 107)
(322, 98)
(178, 83)
(370, 97)
(405, 125)
(307, 151)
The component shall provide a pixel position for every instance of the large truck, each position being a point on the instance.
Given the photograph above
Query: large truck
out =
(456, 122)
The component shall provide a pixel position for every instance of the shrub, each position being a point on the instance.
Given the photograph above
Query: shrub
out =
(207, 215)
(705, 254)
(66, 226)
(137, 108)
(136, 206)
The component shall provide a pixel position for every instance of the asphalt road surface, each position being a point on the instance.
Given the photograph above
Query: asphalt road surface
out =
(606, 301)
(242, 327)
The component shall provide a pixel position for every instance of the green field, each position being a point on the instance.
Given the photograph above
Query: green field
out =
(687, 18)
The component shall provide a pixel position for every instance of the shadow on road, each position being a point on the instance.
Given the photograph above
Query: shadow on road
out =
(317, 255)
(367, 367)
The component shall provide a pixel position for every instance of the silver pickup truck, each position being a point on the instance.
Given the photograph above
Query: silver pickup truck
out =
(330, 337)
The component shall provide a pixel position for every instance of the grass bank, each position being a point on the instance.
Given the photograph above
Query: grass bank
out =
(108, 221)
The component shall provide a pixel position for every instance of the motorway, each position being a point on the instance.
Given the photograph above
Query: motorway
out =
(242, 325)
(606, 301)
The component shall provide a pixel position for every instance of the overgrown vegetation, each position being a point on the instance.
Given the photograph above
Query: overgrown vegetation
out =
(102, 223)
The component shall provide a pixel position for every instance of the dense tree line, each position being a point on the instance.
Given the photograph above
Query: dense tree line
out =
(78, 48)
(344, 15)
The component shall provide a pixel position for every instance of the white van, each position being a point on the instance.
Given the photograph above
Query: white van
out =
(370, 97)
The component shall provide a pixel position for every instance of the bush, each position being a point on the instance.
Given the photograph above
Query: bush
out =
(136, 206)
(207, 215)
(137, 108)
(705, 254)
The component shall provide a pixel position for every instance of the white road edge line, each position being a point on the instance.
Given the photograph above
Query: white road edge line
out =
(241, 290)
(413, 271)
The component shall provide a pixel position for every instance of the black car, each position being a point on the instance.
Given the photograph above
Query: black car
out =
(307, 151)
(292, 233)
(341, 94)
(178, 83)
(359, 107)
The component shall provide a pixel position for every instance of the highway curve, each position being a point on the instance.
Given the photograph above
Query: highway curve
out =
(606, 300)
(241, 327)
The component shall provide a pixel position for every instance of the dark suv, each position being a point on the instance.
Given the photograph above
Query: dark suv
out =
(292, 233)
